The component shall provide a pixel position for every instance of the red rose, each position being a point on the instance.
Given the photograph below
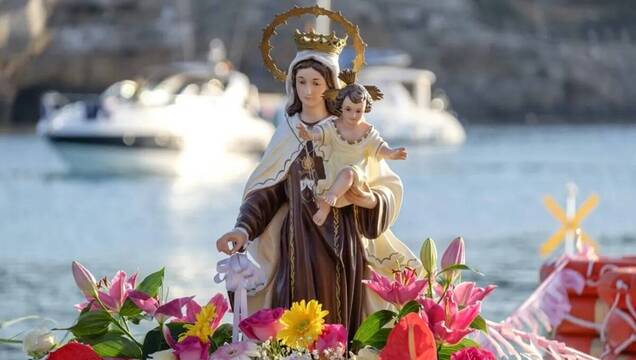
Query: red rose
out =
(472, 353)
(74, 351)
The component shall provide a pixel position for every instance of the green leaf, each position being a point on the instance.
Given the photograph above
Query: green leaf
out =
(221, 336)
(114, 345)
(456, 267)
(154, 340)
(151, 284)
(129, 309)
(378, 340)
(91, 323)
(446, 351)
(371, 325)
(410, 307)
(479, 324)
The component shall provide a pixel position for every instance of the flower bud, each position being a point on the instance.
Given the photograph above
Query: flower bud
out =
(428, 256)
(38, 342)
(84, 279)
(454, 254)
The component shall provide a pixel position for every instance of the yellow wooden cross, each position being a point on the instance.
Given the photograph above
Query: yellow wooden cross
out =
(569, 224)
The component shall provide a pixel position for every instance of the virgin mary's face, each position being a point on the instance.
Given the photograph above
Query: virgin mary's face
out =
(310, 86)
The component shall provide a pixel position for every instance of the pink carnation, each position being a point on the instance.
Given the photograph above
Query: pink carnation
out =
(333, 335)
(472, 353)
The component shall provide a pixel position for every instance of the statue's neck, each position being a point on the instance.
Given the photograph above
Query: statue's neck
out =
(310, 115)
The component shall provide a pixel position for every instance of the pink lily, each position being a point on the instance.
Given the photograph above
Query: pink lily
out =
(84, 279)
(118, 290)
(453, 255)
(448, 323)
(152, 307)
(191, 348)
(116, 294)
(193, 308)
(467, 293)
(404, 288)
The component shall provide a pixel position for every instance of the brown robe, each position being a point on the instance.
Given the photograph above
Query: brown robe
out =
(327, 262)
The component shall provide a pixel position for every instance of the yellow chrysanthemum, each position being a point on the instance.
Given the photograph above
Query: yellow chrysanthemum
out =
(302, 324)
(201, 327)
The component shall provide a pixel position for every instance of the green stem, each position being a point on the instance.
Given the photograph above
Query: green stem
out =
(430, 285)
(125, 323)
(116, 322)
(446, 286)
(10, 341)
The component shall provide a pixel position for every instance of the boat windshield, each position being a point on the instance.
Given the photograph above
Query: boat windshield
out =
(161, 92)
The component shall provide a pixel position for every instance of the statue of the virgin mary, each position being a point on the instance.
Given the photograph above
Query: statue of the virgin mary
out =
(301, 259)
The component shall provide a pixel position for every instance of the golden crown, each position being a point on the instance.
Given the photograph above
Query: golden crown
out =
(319, 42)
(313, 41)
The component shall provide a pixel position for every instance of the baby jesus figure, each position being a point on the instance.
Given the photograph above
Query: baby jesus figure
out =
(353, 140)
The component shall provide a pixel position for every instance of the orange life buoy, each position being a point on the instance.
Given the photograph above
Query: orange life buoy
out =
(585, 317)
(588, 344)
(619, 285)
(591, 270)
(620, 331)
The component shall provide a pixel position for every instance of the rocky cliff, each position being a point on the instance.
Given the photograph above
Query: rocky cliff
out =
(498, 60)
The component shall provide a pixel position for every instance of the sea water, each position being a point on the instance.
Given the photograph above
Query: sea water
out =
(489, 191)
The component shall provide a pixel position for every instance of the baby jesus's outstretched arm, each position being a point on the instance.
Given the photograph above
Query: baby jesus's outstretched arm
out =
(386, 152)
(307, 134)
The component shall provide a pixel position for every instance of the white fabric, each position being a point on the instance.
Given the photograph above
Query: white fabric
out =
(242, 277)
(286, 144)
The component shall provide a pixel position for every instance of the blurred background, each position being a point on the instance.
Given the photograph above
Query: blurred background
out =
(128, 128)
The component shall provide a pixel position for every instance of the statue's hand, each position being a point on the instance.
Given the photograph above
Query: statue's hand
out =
(361, 196)
(234, 237)
(398, 154)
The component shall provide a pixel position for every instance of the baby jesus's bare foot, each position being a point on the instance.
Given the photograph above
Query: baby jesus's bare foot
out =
(323, 211)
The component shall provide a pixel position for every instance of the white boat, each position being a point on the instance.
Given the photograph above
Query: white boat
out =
(409, 113)
(149, 125)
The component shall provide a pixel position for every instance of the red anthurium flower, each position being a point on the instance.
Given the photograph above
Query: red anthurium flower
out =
(74, 351)
(410, 339)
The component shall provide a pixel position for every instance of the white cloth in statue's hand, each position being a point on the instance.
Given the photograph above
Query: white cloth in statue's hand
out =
(238, 271)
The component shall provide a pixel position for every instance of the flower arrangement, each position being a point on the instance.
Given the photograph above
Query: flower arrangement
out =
(432, 316)
(434, 311)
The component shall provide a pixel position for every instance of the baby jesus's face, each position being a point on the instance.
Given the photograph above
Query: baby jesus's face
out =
(352, 112)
